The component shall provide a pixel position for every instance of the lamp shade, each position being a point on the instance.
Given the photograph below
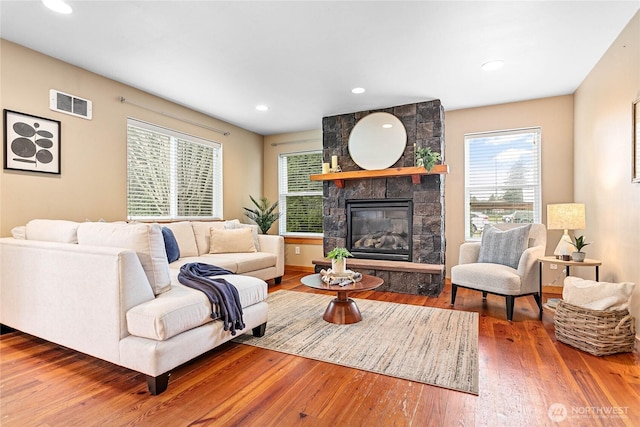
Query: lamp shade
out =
(566, 216)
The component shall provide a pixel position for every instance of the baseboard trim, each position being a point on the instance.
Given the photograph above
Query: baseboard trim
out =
(303, 268)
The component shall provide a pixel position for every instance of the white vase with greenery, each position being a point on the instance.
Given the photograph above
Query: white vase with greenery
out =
(338, 257)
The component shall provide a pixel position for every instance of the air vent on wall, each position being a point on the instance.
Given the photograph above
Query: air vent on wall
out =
(70, 104)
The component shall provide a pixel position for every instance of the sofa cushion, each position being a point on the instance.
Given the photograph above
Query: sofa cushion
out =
(201, 229)
(183, 308)
(234, 224)
(170, 245)
(222, 262)
(183, 232)
(52, 230)
(231, 241)
(145, 239)
(248, 261)
(503, 246)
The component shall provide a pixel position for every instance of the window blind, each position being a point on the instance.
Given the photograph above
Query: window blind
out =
(171, 175)
(502, 178)
(300, 199)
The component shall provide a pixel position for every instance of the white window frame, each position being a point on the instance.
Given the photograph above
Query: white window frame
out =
(174, 136)
(283, 192)
(534, 187)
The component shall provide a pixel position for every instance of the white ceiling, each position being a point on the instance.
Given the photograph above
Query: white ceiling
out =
(302, 58)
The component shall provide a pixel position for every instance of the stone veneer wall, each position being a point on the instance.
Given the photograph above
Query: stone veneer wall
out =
(424, 123)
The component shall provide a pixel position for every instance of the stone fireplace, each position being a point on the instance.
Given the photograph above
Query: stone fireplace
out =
(424, 234)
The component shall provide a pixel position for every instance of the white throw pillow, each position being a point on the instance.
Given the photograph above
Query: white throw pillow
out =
(235, 224)
(52, 230)
(201, 229)
(503, 246)
(145, 239)
(231, 241)
(19, 232)
(597, 295)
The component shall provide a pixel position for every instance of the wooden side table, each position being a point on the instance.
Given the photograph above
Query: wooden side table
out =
(568, 264)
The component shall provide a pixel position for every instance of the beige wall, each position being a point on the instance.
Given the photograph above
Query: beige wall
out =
(274, 145)
(93, 181)
(554, 116)
(602, 164)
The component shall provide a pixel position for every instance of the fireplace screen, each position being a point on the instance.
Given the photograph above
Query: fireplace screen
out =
(380, 229)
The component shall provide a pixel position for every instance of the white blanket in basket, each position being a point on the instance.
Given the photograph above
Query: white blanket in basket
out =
(597, 295)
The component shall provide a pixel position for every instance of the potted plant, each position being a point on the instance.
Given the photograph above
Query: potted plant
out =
(427, 158)
(579, 243)
(263, 215)
(338, 257)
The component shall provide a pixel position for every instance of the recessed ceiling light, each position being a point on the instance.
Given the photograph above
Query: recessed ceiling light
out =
(58, 6)
(492, 65)
(357, 90)
(262, 107)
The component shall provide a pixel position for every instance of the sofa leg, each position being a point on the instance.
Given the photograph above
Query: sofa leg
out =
(454, 291)
(484, 295)
(5, 329)
(259, 331)
(158, 384)
(510, 302)
(277, 280)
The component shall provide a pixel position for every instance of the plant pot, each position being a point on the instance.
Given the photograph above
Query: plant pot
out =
(578, 256)
(420, 162)
(339, 266)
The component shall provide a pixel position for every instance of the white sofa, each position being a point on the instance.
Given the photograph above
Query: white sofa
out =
(107, 290)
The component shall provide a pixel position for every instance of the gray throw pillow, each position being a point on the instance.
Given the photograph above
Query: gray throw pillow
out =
(503, 246)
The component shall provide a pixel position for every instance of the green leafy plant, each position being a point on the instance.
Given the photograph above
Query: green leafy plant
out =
(427, 158)
(263, 215)
(579, 243)
(338, 254)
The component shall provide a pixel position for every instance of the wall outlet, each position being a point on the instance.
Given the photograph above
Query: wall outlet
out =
(297, 249)
(553, 266)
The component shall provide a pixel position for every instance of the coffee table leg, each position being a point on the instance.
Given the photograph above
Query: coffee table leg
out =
(342, 310)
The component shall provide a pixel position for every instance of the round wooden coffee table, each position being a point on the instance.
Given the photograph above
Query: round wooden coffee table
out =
(342, 310)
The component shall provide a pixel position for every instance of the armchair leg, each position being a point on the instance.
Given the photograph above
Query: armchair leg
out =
(454, 290)
(510, 302)
(538, 298)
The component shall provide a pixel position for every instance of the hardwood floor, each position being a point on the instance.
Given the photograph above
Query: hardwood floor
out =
(524, 372)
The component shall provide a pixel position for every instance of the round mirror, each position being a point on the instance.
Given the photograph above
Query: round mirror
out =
(377, 141)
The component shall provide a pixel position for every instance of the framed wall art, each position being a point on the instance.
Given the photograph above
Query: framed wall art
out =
(635, 137)
(31, 143)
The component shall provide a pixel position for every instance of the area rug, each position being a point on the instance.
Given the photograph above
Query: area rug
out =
(422, 344)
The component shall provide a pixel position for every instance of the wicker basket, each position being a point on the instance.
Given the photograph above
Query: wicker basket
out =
(597, 332)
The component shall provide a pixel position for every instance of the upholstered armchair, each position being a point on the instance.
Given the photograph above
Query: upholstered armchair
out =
(505, 263)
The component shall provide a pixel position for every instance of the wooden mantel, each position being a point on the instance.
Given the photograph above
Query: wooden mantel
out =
(415, 172)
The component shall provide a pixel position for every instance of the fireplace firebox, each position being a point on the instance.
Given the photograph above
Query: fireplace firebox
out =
(380, 229)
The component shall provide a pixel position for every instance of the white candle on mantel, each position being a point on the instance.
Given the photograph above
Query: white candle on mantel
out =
(325, 168)
(334, 162)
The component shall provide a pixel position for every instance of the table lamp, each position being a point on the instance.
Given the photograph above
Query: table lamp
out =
(565, 216)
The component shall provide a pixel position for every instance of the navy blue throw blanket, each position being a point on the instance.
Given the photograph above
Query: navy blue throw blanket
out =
(221, 293)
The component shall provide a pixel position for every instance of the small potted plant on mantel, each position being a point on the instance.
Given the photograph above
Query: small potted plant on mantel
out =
(579, 243)
(427, 158)
(338, 257)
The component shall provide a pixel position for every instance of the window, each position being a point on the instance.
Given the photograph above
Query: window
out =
(502, 179)
(300, 201)
(171, 175)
